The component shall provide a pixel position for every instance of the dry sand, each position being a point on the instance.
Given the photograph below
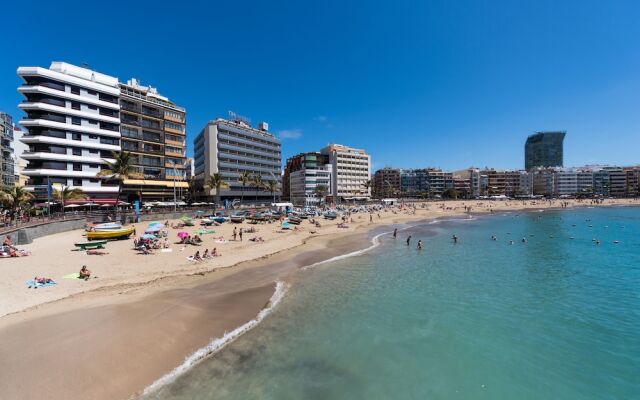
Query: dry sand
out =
(144, 314)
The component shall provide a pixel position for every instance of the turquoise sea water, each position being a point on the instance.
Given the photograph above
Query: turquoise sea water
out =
(553, 318)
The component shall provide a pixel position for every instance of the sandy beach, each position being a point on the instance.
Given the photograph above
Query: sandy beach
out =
(114, 335)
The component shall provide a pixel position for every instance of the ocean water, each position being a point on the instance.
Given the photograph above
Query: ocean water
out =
(557, 317)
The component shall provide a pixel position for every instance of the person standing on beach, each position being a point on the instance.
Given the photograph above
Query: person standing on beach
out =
(235, 233)
(395, 232)
(370, 218)
(409, 240)
(240, 234)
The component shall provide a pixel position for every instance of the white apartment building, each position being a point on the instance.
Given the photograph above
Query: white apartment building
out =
(351, 170)
(566, 182)
(73, 125)
(303, 185)
(584, 182)
(231, 147)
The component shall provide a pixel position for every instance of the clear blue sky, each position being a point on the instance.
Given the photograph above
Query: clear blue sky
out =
(421, 83)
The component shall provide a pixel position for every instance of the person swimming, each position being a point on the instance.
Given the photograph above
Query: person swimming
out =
(455, 239)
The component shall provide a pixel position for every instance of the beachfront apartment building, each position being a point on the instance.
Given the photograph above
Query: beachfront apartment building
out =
(386, 182)
(544, 150)
(351, 170)
(19, 163)
(566, 182)
(307, 179)
(584, 182)
(425, 182)
(73, 126)
(153, 130)
(231, 147)
(7, 174)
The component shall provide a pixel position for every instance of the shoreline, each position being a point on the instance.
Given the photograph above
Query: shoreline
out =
(242, 290)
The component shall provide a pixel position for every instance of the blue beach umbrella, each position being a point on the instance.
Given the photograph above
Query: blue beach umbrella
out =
(148, 236)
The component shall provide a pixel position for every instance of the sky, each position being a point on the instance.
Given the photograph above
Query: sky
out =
(447, 84)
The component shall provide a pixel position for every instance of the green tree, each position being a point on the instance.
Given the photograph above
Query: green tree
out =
(366, 185)
(216, 182)
(66, 193)
(256, 181)
(245, 179)
(321, 192)
(450, 193)
(14, 196)
(120, 169)
(272, 186)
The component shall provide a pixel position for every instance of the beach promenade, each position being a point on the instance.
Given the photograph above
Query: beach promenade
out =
(140, 316)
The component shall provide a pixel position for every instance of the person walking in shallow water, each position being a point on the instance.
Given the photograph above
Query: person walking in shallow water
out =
(409, 240)
(455, 239)
(419, 244)
(395, 233)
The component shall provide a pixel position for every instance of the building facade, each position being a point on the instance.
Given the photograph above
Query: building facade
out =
(386, 182)
(231, 147)
(19, 163)
(544, 149)
(73, 126)
(7, 173)
(153, 130)
(308, 177)
(351, 169)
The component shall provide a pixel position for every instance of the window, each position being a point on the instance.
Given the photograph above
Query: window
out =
(92, 107)
(76, 151)
(93, 122)
(92, 151)
(93, 136)
(75, 90)
(77, 167)
(92, 92)
(76, 120)
(176, 127)
(75, 105)
(76, 136)
(77, 182)
(94, 166)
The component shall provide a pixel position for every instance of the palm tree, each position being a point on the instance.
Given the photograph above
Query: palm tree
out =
(366, 185)
(120, 169)
(15, 196)
(245, 179)
(66, 194)
(272, 186)
(216, 182)
(256, 181)
(321, 192)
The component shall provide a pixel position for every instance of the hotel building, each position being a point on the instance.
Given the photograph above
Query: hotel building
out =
(305, 173)
(6, 138)
(73, 125)
(153, 131)
(351, 169)
(544, 149)
(386, 182)
(231, 147)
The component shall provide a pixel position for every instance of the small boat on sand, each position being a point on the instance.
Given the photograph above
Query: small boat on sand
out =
(111, 234)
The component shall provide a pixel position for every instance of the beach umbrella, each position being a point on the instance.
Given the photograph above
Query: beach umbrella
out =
(148, 236)
(153, 229)
(155, 223)
(90, 204)
(182, 234)
(72, 206)
(106, 205)
(185, 218)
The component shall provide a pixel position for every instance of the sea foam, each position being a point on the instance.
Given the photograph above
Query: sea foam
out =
(218, 343)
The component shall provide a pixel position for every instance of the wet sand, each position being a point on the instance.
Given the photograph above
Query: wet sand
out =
(115, 350)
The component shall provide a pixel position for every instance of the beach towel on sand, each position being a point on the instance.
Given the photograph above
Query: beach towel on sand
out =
(32, 284)
(73, 275)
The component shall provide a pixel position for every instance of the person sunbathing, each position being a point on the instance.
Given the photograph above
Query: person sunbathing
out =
(214, 252)
(84, 273)
(42, 280)
(206, 253)
(197, 257)
(96, 252)
(196, 239)
(257, 239)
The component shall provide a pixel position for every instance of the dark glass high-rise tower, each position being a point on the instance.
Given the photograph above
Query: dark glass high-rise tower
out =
(544, 149)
